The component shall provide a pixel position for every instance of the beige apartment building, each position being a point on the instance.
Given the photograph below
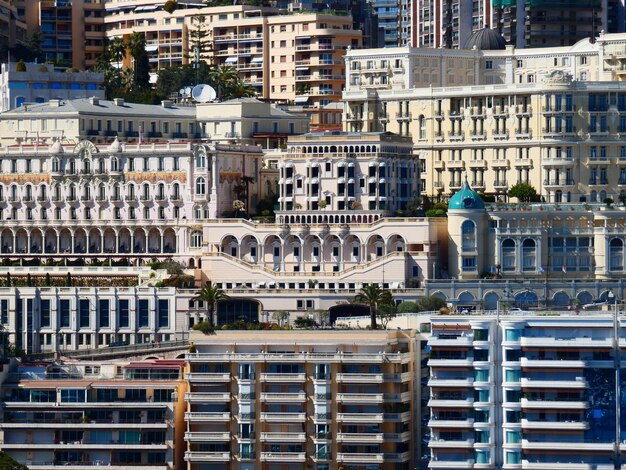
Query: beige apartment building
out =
(303, 399)
(72, 31)
(552, 117)
(294, 58)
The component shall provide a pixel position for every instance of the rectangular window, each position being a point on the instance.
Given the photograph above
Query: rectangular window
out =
(83, 313)
(164, 313)
(72, 395)
(4, 311)
(45, 313)
(104, 313)
(64, 313)
(143, 312)
(123, 312)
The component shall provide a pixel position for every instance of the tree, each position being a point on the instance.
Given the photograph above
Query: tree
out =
(48, 280)
(9, 463)
(387, 309)
(136, 46)
(280, 317)
(247, 181)
(199, 49)
(430, 304)
(407, 307)
(524, 192)
(239, 206)
(304, 322)
(226, 80)
(372, 296)
(212, 295)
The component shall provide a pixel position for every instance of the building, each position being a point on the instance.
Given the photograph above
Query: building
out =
(127, 202)
(334, 227)
(299, 399)
(449, 23)
(551, 117)
(73, 414)
(12, 26)
(543, 23)
(249, 121)
(96, 120)
(73, 31)
(41, 83)
(525, 392)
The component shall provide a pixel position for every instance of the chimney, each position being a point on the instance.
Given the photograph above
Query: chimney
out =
(166, 103)
(118, 101)
(55, 103)
(94, 100)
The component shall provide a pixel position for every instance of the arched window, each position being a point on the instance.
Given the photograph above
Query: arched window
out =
(200, 160)
(55, 164)
(529, 255)
(86, 166)
(175, 191)
(197, 213)
(602, 196)
(593, 197)
(196, 239)
(616, 255)
(114, 164)
(468, 233)
(200, 187)
(508, 255)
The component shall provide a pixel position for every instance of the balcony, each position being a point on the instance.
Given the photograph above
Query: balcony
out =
(283, 437)
(207, 417)
(365, 438)
(359, 378)
(442, 362)
(207, 456)
(559, 162)
(579, 383)
(523, 134)
(501, 185)
(207, 436)
(286, 457)
(448, 464)
(207, 377)
(282, 378)
(455, 341)
(456, 137)
(360, 458)
(445, 444)
(203, 397)
(458, 164)
(574, 342)
(360, 417)
(283, 417)
(451, 423)
(574, 446)
(283, 397)
(360, 398)
(553, 405)
(443, 382)
(553, 363)
(451, 403)
(555, 425)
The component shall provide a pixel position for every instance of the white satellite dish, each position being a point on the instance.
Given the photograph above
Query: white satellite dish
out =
(203, 93)
(187, 91)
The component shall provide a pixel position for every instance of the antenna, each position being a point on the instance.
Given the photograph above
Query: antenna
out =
(203, 93)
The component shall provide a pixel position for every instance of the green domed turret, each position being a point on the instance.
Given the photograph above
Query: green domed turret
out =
(466, 198)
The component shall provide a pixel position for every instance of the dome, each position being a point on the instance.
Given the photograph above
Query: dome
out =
(56, 147)
(466, 198)
(486, 40)
(115, 147)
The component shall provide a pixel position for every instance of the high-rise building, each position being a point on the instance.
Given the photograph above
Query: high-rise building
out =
(304, 399)
(12, 26)
(527, 392)
(72, 31)
(72, 414)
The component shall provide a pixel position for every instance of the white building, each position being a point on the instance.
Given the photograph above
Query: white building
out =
(40, 83)
(132, 202)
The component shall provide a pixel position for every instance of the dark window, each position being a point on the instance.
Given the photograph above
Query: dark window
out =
(123, 312)
(103, 312)
(164, 313)
(45, 312)
(144, 313)
(83, 313)
(64, 310)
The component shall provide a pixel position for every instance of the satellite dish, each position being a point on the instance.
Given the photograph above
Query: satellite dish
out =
(203, 93)
(187, 91)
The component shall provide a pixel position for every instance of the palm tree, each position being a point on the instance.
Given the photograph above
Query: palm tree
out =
(212, 295)
(373, 296)
(247, 180)
(117, 51)
(223, 78)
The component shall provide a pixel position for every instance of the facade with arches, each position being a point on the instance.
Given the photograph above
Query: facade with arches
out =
(132, 202)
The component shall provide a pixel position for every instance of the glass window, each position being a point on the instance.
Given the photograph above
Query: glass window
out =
(123, 313)
(103, 312)
(72, 395)
(164, 313)
(64, 313)
(512, 335)
(143, 313)
(513, 375)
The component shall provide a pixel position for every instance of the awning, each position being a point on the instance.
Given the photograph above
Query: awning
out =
(303, 37)
(152, 48)
(257, 60)
(301, 68)
(128, 7)
(301, 99)
(146, 8)
(231, 60)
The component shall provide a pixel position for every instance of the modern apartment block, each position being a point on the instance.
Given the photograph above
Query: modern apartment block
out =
(119, 415)
(551, 117)
(520, 392)
(72, 31)
(307, 399)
